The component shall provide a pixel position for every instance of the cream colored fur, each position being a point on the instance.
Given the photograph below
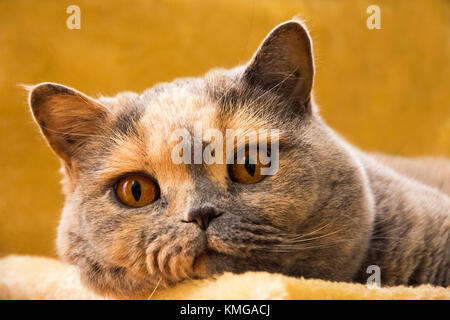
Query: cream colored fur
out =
(26, 277)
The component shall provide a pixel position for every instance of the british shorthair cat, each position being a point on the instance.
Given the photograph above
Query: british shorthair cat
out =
(134, 219)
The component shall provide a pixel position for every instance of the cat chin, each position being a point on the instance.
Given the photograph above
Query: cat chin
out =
(212, 263)
(200, 266)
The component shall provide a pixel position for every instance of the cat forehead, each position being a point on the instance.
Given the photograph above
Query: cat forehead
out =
(165, 107)
(168, 107)
(188, 103)
(178, 107)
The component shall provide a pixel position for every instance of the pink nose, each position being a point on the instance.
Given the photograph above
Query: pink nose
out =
(202, 216)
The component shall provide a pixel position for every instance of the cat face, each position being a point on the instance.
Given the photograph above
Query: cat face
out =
(134, 219)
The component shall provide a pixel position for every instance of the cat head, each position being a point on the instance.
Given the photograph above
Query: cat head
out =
(133, 218)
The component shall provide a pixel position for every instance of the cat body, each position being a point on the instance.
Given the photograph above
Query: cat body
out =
(410, 240)
(329, 212)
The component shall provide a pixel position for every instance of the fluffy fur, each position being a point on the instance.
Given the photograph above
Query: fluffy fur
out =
(329, 212)
(25, 277)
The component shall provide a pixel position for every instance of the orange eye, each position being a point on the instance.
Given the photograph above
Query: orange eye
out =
(137, 190)
(247, 173)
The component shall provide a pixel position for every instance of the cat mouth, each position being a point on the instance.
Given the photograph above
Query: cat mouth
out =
(203, 261)
(200, 262)
(216, 244)
(208, 263)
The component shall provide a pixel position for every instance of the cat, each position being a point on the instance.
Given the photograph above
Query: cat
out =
(133, 220)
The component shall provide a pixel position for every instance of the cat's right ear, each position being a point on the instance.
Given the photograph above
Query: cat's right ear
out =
(66, 117)
(284, 65)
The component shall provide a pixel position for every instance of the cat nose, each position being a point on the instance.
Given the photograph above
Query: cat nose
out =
(202, 216)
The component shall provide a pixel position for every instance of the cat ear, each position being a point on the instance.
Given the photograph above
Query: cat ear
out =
(66, 117)
(284, 64)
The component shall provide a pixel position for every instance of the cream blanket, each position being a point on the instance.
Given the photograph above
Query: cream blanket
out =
(26, 277)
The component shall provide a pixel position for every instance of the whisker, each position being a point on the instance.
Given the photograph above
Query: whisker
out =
(318, 237)
(309, 233)
(154, 290)
(296, 247)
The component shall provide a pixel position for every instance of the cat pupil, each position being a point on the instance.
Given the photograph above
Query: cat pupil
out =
(136, 190)
(251, 168)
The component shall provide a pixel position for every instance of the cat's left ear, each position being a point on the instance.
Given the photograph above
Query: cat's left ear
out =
(68, 119)
(284, 64)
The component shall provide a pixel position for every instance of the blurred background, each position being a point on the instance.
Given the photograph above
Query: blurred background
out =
(384, 90)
